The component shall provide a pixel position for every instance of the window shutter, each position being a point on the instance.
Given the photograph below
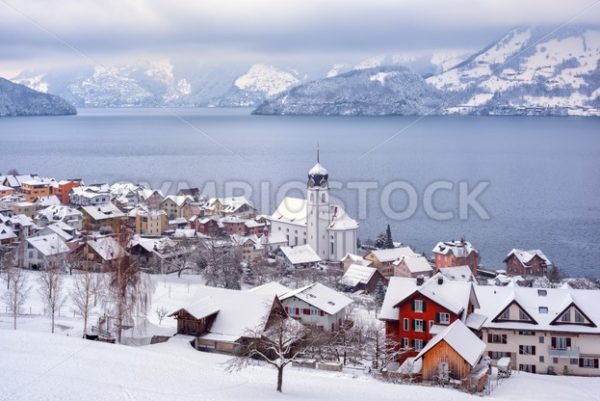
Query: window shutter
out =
(553, 342)
(489, 335)
(581, 362)
(533, 350)
(568, 341)
(503, 338)
(413, 305)
(437, 319)
(596, 363)
(424, 304)
(414, 325)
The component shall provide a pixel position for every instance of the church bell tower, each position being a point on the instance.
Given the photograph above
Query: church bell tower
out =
(317, 209)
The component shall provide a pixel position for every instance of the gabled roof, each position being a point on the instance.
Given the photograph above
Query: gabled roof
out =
(543, 305)
(357, 259)
(460, 339)
(451, 295)
(49, 245)
(103, 212)
(461, 273)
(272, 287)
(6, 232)
(415, 264)
(357, 274)
(392, 254)
(200, 309)
(525, 257)
(300, 254)
(321, 297)
(179, 200)
(107, 248)
(291, 210)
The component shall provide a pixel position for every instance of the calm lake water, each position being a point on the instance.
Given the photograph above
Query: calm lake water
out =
(543, 173)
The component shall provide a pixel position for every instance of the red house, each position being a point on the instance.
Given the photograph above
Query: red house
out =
(526, 263)
(208, 226)
(416, 309)
(456, 253)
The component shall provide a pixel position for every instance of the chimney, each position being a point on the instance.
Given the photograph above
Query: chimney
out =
(420, 280)
(440, 280)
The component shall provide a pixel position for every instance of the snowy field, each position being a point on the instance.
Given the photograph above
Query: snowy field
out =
(37, 365)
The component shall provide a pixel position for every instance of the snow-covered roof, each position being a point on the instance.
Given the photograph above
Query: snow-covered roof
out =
(300, 254)
(415, 264)
(357, 274)
(543, 305)
(357, 259)
(202, 308)
(291, 210)
(461, 339)
(239, 312)
(452, 295)
(106, 247)
(103, 212)
(155, 245)
(525, 257)
(273, 239)
(48, 200)
(459, 249)
(392, 254)
(231, 204)
(58, 213)
(321, 297)
(271, 288)
(462, 273)
(340, 220)
(49, 245)
(60, 230)
(318, 169)
(179, 200)
(6, 232)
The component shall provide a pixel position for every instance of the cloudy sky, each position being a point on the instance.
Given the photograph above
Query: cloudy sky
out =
(51, 33)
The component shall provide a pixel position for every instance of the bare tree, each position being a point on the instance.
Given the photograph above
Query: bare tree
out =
(51, 288)
(16, 292)
(161, 313)
(223, 267)
(82, 294)
(184, 255)
(282, 342)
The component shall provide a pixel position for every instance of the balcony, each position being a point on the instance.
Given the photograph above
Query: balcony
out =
(569, 352)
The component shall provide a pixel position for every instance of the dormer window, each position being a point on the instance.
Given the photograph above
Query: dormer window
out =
(543, 309)
(566, 317)
(542, 293)
(505, 315)
(523, 315)
(579, 317)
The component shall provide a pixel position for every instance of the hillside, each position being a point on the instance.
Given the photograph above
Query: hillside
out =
(370, 91)
(19, 100)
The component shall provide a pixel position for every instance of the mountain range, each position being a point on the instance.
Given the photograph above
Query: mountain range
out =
(528, 71)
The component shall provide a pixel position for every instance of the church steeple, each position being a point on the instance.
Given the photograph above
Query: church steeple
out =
(318, 176)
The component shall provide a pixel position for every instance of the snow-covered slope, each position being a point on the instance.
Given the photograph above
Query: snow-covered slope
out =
(260, 82)
(370, 91)
(19, 100)
(528, 72)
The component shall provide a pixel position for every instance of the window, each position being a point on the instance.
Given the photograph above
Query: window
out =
(498, 354)
(505, 315)
(555, 360)
(543, 309)
(541, 338)
(418, 325)
(566, 317)
(542, 358)
(418, 305)
(523, 315)
(405, 343)
(574, 361)
(561, 342)
(405, 323)
(527, 368)
(588, 363)
(443, 318)
(526, 333)
(579, 317)
(418, 344)
(542, 293)
(496, 338)
(526, 349)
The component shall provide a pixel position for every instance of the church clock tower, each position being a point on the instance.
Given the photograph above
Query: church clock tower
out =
(317, 209)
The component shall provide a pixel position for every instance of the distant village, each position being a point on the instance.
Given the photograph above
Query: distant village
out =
(401, 314)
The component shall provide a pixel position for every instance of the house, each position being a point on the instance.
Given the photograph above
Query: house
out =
(228, 206)
(18, 206)
(317, 305)
(15, 181)
(103, 216)
(151, 223)
(157, 253)
(271, 288)
(526, 263)
(455, 355)
(210, 226)
(300, 256)
(43, 250)
(62, 189)
(352, 259)
(361, 278)
(60, 213)
(412, 266)
(249, 248)
(151, 198)
(383, 259)
(6, 191)
(233, 225)
(542, 330)
(255, 226)
(65, 231)
(175, 206)
(7, 234)
(222, 320)
(456, 253)
(100, 251)
(415, 309)
(315, 220)
(90, 195)
(272, 242)
(35, 188)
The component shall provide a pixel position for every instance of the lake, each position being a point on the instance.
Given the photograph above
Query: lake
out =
(542, 173)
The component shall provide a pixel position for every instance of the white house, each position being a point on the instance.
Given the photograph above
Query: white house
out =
(315, 221)
(40, 250)
(299, 256)
(317, 305)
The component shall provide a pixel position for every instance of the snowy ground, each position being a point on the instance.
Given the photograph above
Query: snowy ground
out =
(42, 366)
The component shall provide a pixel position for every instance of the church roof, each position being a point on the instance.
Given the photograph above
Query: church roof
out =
(318, 169)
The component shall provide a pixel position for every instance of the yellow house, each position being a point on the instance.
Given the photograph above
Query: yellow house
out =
(151, 223)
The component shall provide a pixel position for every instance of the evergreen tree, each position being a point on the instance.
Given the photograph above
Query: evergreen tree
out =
(554, 274)
(388, 241)
(379, 293)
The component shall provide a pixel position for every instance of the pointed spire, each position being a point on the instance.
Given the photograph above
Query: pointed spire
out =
(318, 161)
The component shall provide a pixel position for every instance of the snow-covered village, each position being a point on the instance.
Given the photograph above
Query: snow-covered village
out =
(98, 275)
(299, 200)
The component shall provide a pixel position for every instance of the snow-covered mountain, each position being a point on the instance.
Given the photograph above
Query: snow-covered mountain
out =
(260, 82)
(528, 71)
(370, 91)
(19, 100)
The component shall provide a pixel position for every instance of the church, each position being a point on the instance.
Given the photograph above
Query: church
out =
(316, 222)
